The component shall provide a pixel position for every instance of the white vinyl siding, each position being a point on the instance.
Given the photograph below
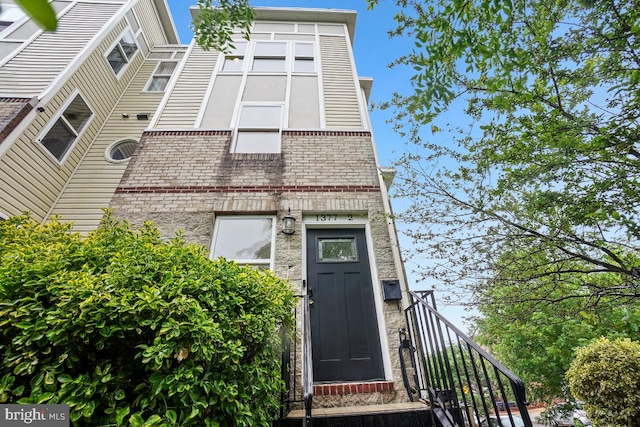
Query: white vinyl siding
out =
(92, 185)
(25, 168)
(342, 110)
(181, 111)
(148, 20)
(24, 73)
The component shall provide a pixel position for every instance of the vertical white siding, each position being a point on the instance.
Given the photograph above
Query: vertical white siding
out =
(340, 96)
(181, 111)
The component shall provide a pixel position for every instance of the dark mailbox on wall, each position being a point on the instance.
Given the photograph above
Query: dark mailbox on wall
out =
(391, 290)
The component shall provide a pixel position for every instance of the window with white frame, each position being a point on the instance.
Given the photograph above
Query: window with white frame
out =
(122, 52)
(270, 57)
(66, 129)
(234, 61)
(304, 55)
(161, 76)
(245, 240)
(9, 13)
(259, 129)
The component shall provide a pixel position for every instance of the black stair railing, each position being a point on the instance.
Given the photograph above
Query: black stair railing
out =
(307, 370)
(464, 385)
(296, 392)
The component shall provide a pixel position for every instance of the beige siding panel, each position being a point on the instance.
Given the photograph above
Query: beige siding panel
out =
(95, 180)
(26, 168)
(340, 96)
(188, 94)
(148, 20)
(304, 106)
(221, 103)
(25, 73)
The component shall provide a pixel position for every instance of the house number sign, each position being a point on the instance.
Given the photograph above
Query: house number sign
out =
(334, 217)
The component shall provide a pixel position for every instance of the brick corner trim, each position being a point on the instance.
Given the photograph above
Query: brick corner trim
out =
(353, 388)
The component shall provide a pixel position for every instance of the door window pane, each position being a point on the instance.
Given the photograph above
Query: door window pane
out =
(337, 250)
(246, 240)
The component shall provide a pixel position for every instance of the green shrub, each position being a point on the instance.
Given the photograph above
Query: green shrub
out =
(606, 376)
(128, 330)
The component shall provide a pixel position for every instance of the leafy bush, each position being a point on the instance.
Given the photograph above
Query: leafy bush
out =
(606, 376)
(128, 330)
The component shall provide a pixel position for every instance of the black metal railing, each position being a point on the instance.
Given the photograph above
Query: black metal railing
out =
(307, 367)
(298, 388)
(464, 385)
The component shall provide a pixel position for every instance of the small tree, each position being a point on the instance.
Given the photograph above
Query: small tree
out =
(606, 376)
(128, 330)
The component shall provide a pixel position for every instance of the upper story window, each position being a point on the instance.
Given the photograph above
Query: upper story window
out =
(269, 56)
(122, 53)
(65, 130)
(304, 55)
(259, 129)
(245, 239)
(234, 61)
(161, 76)
(9, 13)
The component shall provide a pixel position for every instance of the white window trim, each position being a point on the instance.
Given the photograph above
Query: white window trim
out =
(54, 119)
(155, 74)
(107, 151)
(273, 218)
(116, 45)
(238, 115)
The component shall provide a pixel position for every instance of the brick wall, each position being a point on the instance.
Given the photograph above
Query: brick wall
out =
(12, 111)
(181, 180)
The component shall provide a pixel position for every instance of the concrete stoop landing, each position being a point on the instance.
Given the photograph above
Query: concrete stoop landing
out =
(387, 415)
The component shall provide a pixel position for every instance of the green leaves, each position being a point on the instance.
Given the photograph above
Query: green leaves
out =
(603, 375)
(536, 151)
(216, 21)
(129, 330)
(41, 12)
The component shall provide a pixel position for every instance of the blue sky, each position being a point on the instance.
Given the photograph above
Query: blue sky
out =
(373, 51)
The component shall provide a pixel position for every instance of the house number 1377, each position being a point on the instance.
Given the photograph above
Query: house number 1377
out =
(333, 217)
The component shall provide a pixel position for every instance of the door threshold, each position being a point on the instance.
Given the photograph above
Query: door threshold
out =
(339, 389)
